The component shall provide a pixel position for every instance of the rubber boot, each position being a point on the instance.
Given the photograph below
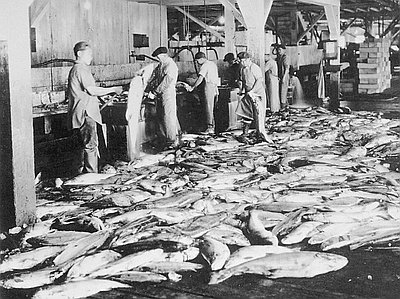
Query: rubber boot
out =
(244, 137)
(245, 128)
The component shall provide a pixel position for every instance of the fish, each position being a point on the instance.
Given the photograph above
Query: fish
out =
(292, 220)
(258, 234)
(119, 199)
(300, 197)
(78, 289)
(379, 140)
(37, 229)
(248, 253)
(56, 238)
(393, 210)
(45, 211)
(340, 217)
(91, 179)
(378, 237)
(34, 279)
(153, 186)
(300, 233)
(85, 265)
(29, 259)
(183, 255)
(221, 181)
(358, 208)
(355, 152)
(283, 207)
(228, 234)
(181, 199)
(200, 225)
(167, 267)
(82, 246)
(214, 252)
(128, 216)
(363, 234)
(230, 196)
(174, 215)
(138, 276)
(166, 241)
(329, 230)
(80, 223)
(128, 262)
(292, 264)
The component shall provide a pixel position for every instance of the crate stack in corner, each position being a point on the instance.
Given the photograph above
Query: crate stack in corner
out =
(374, 66)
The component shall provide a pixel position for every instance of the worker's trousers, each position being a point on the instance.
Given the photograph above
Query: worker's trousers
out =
(210, 99)
(252, 108)
(88, 133)
(272, 90)
(167, 116)
(284, 86)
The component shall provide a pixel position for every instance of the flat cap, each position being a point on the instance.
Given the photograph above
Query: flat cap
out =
(159, 50)
(80, 46)
(199, 55)
(243, 55)
(229, 57)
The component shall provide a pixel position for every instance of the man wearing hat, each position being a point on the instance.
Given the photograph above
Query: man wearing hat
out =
(162, 86)
(83, 105)
(283, 74)
(272, 83)
(209, 74)
(232, 74)
(253, 104)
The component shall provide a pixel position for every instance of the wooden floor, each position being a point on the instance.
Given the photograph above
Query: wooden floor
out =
(369, 274)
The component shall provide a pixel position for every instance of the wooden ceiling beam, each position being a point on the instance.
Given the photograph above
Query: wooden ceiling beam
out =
(237, 14)
(311, 26)
(394, 22)
(178, 2)
(37, 10)
(348, 25)
(322, 2)
(201, 23)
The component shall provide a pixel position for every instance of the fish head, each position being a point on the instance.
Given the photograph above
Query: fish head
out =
(330, 261)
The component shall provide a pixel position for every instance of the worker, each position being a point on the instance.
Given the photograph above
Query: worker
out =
(272, 83)
(252, 105)
(209, 75)
(232, 74)
(283, 73)
(161, 86)
(83, 105)
(133, 110)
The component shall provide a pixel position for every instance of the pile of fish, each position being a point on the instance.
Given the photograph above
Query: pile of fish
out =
(218, 206)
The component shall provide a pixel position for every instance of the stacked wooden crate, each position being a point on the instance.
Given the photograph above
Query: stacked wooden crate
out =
(374, 66)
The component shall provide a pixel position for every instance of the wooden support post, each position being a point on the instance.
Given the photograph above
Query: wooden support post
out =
(163, 25)
(294, 28)
(17, 190)
(333, 16)
(255, 13)
(229, 31)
